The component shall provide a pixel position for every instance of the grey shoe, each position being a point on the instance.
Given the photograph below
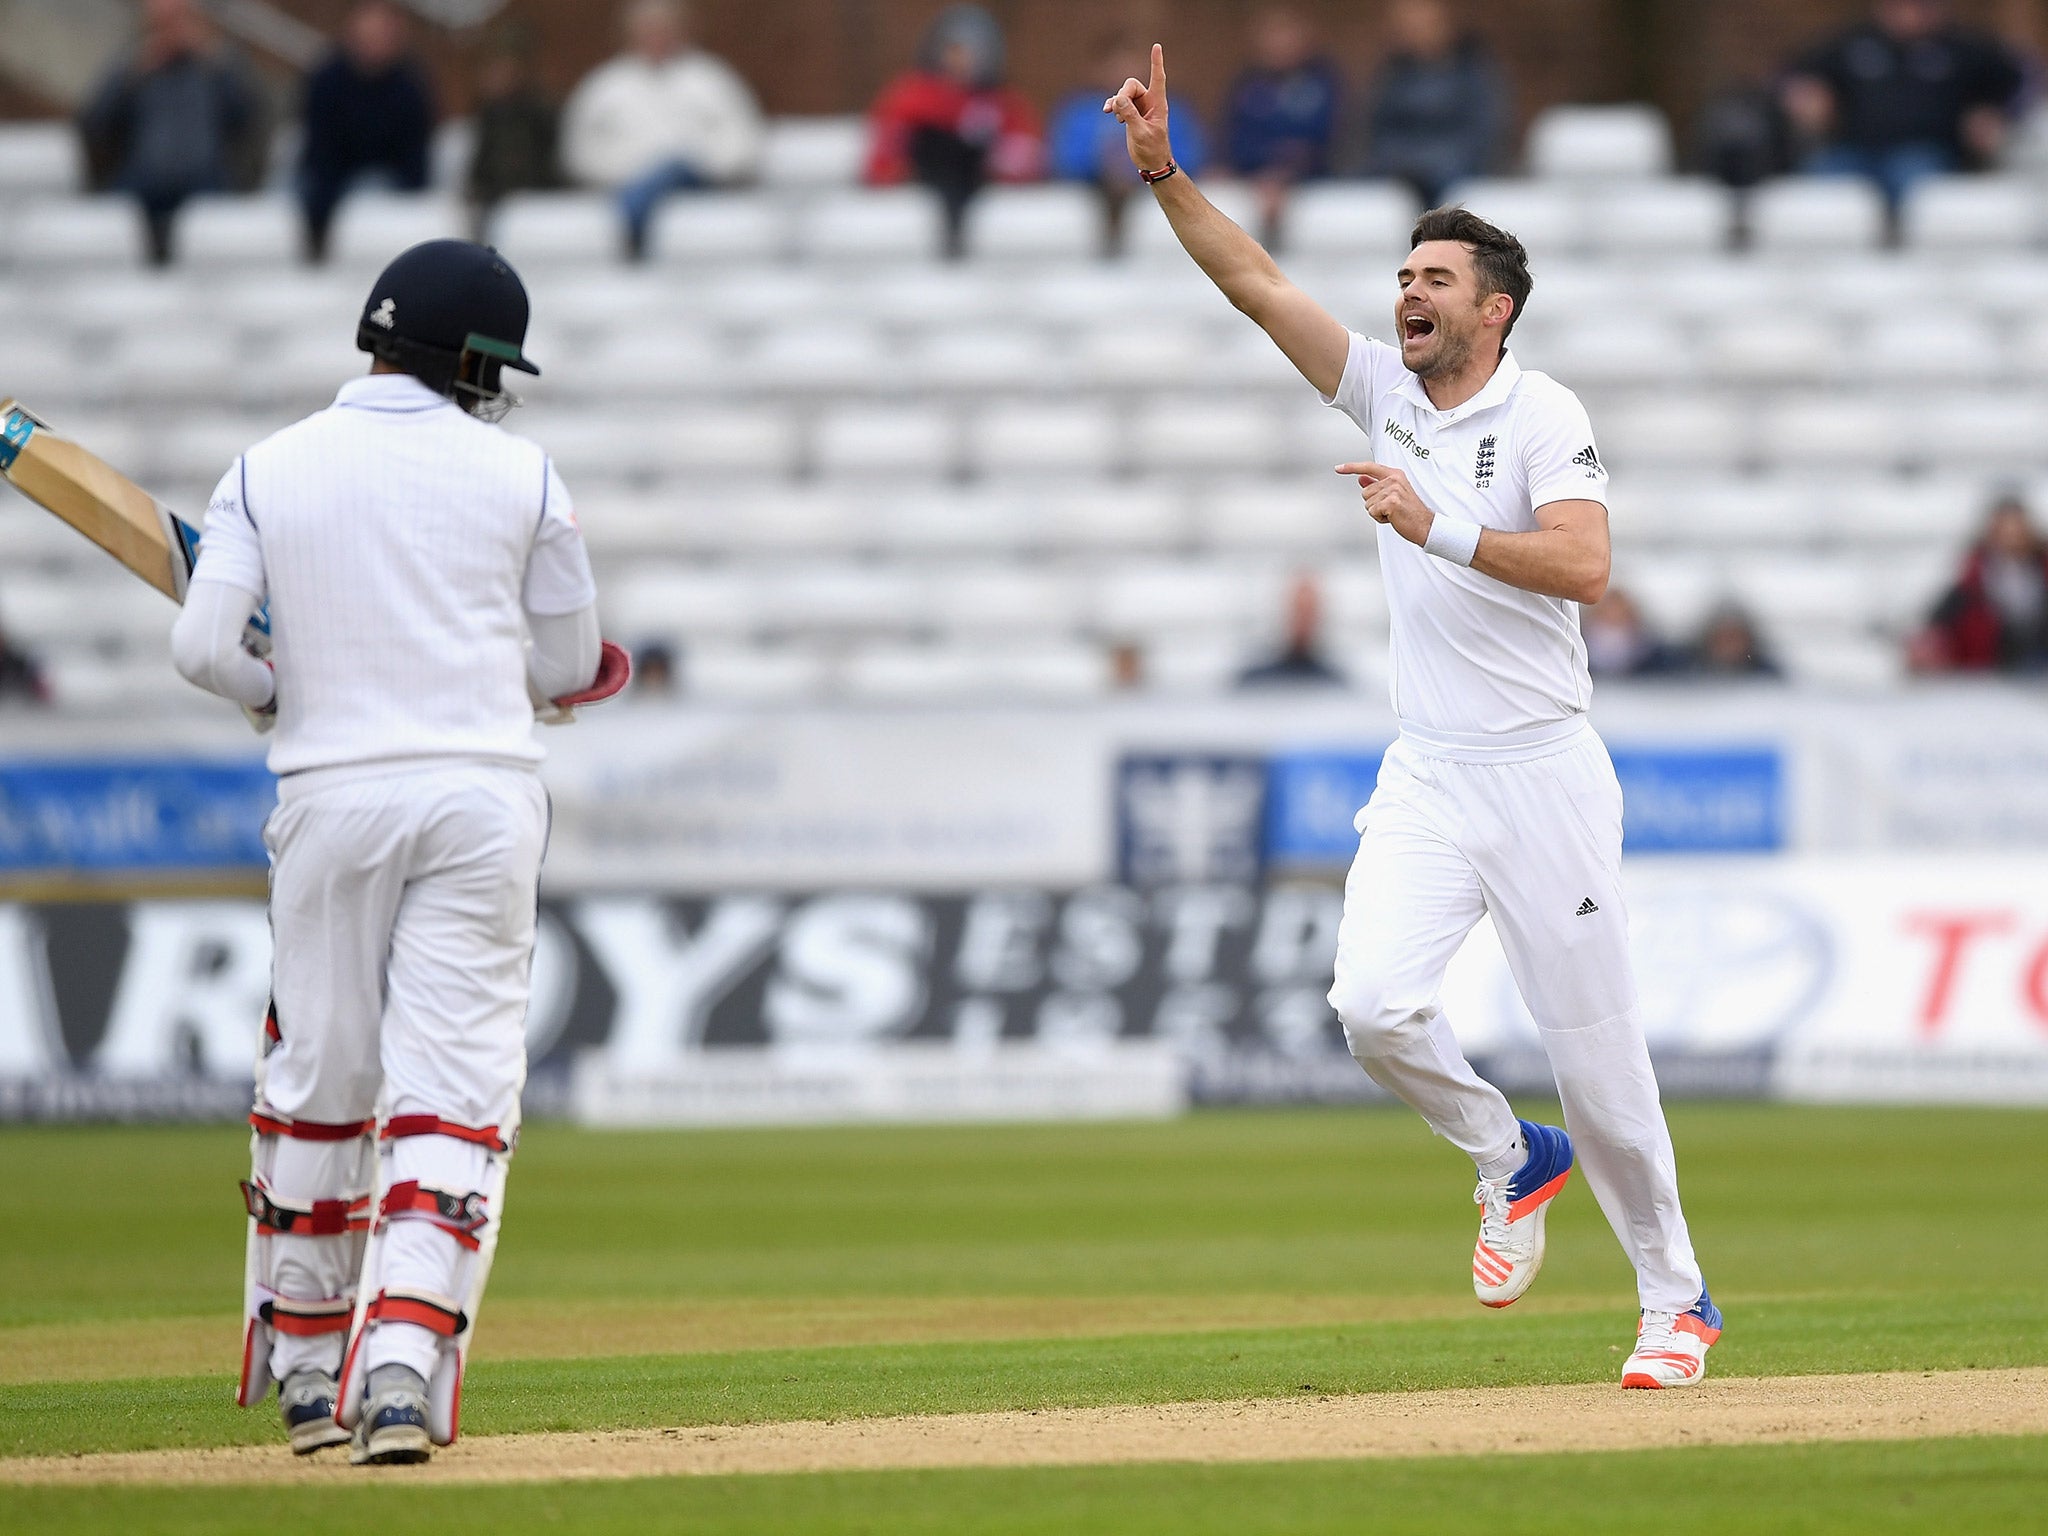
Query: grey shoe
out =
(305, 1399)
(393, 1428)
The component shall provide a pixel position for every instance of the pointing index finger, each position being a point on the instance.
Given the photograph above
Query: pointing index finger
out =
(1158, 86)
(1365, 471)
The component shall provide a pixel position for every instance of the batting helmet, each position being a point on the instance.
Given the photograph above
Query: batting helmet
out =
(453, 314)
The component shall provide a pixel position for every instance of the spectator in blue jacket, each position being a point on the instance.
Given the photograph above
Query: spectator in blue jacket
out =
(369, 118)
(1282, 113)
(1437, 111)
(1086, 144)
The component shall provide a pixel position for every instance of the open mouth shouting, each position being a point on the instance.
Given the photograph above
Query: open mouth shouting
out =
(1416, 327)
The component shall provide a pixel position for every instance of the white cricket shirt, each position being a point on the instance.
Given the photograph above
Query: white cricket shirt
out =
(399, 542)
(1472, 656)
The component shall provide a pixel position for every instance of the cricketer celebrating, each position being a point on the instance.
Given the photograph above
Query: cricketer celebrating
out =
(1498, 797)
(407, 548)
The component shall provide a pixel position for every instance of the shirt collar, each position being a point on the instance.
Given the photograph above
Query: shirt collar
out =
(1496, 390)
(397, 392)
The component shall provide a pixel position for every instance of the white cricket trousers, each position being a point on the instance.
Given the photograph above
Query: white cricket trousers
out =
(1527, 829)
(402, 909)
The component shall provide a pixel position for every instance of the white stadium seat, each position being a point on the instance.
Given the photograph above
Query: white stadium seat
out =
(80, 232)
(44, 369)
(1621, 351)
(842, 596)
(1971, 212)
(1633, 140)
(1664, 217)
(38, 158)
(898, 442)
(1149, 238)
(1009, 441)
(1836, 431)
(680, 600)
(1989, 434)
(833, 358)
(1292, 515)
(984, 519)
(1773, 348)
(1056, 222)
(987, 357)
(1114, 516)
(192, 364)
(1549, 218)
(1349, 218)
(1929, 349)
(1689, 431)
(893, 224)
(1004, 599)
(1795, 594)
(759, 440)
(1817, 214)
(537, 229)
(754, 674)
(1146, 598)
(1195, 437)
(1937, 510)
(372, 227)
(804, 153)
(263, 230)
(708, 227)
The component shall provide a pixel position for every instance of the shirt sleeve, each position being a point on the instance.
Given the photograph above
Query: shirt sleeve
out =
(558, 578)
(1360, 384)
(1560, 460)
(230, 552)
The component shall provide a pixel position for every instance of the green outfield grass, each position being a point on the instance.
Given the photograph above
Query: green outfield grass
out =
(871, 1271)
(1868, 1490)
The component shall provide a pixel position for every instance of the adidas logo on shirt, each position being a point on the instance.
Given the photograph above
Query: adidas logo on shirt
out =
(1587, 908)
(1588, 458)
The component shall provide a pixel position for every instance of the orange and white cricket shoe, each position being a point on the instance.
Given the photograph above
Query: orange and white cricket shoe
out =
(1509, 1253)
(1671, 1347)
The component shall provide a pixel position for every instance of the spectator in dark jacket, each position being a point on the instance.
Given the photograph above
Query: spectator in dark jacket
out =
(1301, 661)
(1729, 646)
(1437, 111)
(175, 117)
(952, 123)
(518, 130)
(369, 118)
(1620, 642)
(21, 676)
(1995, 617)
(1282, 112)
(1904, 95)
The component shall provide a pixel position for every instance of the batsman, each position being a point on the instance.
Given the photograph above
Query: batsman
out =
(427, 586)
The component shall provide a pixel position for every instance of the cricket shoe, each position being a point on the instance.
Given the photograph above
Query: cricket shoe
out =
(393, 1428)
(1671, 1347)
(305, 1399)
(1510, 1249)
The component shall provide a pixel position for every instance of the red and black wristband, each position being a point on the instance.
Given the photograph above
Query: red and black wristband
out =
(1171, 168)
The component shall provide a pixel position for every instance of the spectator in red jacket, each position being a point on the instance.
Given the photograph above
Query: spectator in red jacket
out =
(1995, 617)
(951, 123)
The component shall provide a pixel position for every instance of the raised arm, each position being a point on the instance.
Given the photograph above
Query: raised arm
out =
(1313, 339)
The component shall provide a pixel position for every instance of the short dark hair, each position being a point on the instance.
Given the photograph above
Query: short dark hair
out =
(1497, 256)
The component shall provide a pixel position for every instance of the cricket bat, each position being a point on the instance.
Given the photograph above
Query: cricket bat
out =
(106, 506)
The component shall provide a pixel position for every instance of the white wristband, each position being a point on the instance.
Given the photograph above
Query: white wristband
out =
(1452, 539)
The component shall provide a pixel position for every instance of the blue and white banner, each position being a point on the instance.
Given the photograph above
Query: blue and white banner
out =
(146, 815)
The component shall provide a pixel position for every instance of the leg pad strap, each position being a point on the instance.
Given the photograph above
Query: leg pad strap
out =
(317, 1218)
(461, 1216)
(434, 1125)
(438, 1314)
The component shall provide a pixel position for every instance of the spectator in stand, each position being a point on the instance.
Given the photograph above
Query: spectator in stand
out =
(1620, 642)
(654, 671)
(1086, 144)
(369, 118)
(175, 116)
(516, 125)
(664, 116)
(1995, 616)
(1729, 646)
(1437, 112)
(1282, 113)
(1301, 662)
(952, 123)
(21, 675)
(1905, 95)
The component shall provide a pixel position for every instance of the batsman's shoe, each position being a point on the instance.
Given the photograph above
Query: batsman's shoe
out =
(306, 1400)
(1510, 1250)
(393, 1428)
(1671, 1347)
